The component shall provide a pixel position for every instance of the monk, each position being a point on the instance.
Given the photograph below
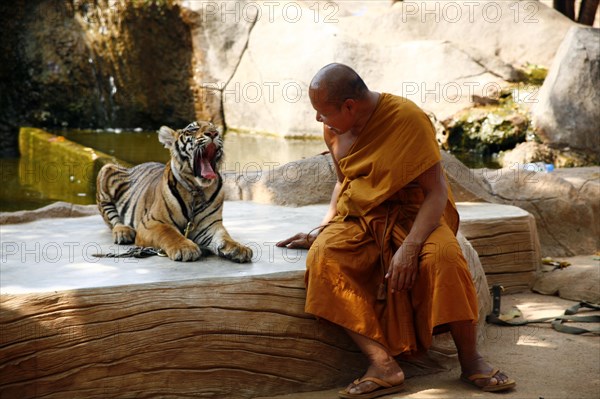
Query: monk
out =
(385, 264)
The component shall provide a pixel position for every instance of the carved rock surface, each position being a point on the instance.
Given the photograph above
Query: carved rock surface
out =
(566, 216)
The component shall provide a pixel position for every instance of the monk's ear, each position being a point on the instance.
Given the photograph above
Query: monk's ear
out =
(349, 104)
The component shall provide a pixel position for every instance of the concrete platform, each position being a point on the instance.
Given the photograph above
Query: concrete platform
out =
(73, 325)
(59, 252)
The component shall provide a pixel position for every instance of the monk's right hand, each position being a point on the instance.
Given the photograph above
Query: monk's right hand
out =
(300, 240)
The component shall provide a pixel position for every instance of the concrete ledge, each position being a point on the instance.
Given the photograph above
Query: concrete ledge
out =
(78, 326)
(506, 240)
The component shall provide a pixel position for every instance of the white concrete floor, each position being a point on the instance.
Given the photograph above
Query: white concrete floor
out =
(56, 254)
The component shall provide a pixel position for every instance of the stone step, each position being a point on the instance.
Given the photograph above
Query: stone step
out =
(77, 326)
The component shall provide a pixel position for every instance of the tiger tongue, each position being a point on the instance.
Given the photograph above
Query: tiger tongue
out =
(206, 169)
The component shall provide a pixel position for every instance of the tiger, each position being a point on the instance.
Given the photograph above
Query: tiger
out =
(176, 206)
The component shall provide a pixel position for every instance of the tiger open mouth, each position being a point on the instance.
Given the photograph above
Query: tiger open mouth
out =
(205, 162)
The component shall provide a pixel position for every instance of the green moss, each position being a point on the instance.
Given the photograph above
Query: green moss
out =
(533, 74)
(489, 129)
(59, 169)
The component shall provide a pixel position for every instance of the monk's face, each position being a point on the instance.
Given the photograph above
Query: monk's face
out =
(339, 119)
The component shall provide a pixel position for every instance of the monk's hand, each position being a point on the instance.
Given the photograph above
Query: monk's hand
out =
(300, 240)
(404, 267)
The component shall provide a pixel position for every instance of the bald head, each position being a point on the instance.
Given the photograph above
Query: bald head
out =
(335, 83)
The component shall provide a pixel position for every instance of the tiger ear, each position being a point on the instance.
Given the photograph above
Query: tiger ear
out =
(167, 136)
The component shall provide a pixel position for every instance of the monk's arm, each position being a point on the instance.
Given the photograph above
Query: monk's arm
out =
(303, 240)
(404, 266)
(332, 204)
(435, 190)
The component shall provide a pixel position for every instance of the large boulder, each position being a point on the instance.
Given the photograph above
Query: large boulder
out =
(515, 31)
(269, 94)
(303, 182)
(404, 50)
(311, 181)
(577, 282)
(532, 152)
(567, 112)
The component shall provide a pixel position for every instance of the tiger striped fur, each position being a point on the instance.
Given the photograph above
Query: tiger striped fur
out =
(151, 204)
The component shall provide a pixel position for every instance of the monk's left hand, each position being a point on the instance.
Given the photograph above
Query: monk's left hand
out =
(404, 267)
(300, 240)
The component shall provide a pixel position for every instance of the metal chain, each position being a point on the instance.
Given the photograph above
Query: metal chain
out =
(134, 252)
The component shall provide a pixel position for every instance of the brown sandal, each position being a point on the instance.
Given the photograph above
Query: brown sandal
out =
(385, 388)
(489, 388)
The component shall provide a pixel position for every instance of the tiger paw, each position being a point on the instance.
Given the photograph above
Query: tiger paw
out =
(123, 234)
(235, 251)
(187, 251)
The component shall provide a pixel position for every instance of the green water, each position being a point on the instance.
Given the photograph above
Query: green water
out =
(28, 184)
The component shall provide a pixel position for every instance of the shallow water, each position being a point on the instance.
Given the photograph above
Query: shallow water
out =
(28, 184)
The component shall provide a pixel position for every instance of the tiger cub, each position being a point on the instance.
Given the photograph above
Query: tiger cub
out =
(176, 207)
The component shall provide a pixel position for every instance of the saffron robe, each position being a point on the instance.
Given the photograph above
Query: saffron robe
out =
(377, 205)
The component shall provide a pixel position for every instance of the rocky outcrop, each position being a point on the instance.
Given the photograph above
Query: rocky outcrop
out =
(516, 32)
(144, 64)
(289, 112)
(311, 180)
(567, 219)
(102, 64)
(412, 42)
(302, 182)
(531, 152)
(577, 282)
(567, 114)
(564, 202)
(57, 209)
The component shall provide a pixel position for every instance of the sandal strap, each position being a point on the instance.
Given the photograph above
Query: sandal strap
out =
(478, 376)
(375, 380)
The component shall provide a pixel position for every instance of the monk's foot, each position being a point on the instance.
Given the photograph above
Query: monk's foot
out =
(481, 374)
(387, 371)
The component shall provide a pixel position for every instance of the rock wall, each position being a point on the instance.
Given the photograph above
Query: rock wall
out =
(404, 50)
(94, 64)
(247, 64)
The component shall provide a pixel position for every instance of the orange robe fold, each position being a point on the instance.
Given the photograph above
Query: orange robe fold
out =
(377, 205)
